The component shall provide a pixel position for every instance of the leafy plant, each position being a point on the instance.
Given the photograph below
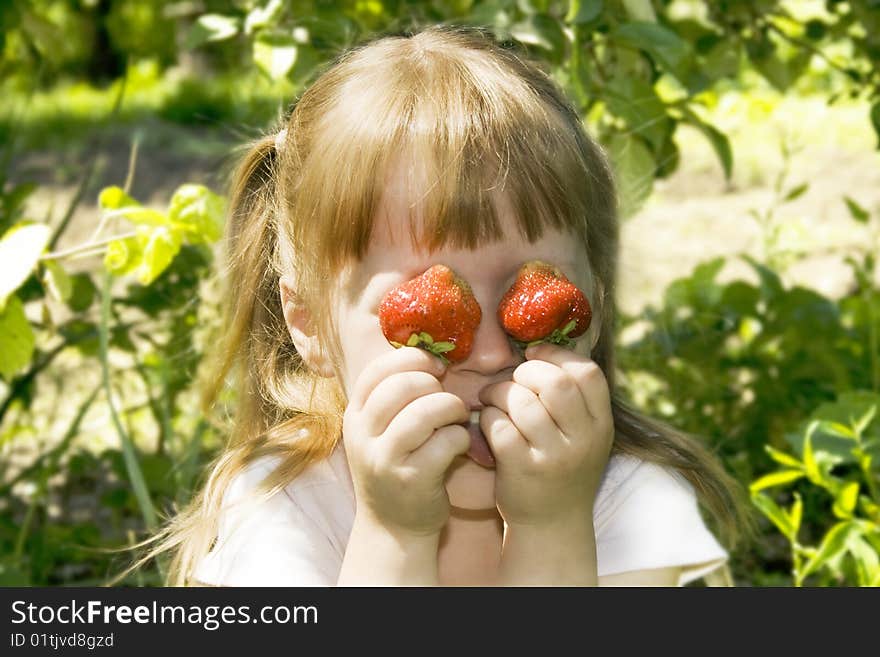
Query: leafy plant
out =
(840, 459)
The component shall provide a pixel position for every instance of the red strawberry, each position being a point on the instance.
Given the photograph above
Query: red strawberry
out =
(436, 311)
(542, 305)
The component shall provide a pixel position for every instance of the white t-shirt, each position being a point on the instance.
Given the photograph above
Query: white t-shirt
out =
(645, 516)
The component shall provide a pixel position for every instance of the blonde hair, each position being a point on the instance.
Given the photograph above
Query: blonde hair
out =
(476, 116)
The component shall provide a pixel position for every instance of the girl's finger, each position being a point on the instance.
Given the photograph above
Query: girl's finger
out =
(415, 423)
(399, 360)
(391, 395)
(439, 450)
(508, 445)
(558, 392)
(586, 373)
(526, 411)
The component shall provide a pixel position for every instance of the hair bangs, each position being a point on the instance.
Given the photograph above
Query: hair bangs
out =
(450, 142)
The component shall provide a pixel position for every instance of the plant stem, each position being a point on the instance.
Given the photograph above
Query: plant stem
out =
(129, 453)
(91, 246)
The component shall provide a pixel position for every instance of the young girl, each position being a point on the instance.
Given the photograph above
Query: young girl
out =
(352, 462)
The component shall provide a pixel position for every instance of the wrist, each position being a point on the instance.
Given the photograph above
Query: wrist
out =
(558, 552)
(378, 555)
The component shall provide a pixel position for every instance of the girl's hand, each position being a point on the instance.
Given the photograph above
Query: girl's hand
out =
(401, 435)
(551, 432)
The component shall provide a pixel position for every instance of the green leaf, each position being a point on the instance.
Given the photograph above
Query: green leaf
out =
(775, 514)
(583, 11)
(782, 458)
(123, 256)
(275, 55)
(82, 292)
(775, 479)
(846, 500)
(795, 192)
(260, 17)
(57, 281)
(198, 211)
(861, 425)
(837, 429)
(637, 103)
(811, 467)
(866, 558)
(543, 31)
(212, 27)
(833, 544)
(113, 198)
(20, 249)
(161, 247)
(16, 339)
(640, 10)
(796, 514)
(717, 139)
(634, 168)
(856, 211)
(662, 44)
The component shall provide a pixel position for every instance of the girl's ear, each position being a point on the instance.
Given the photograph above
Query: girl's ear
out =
(301, 329)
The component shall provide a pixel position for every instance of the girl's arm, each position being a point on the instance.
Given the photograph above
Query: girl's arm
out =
(401, 431)
(560, 555)
(377, 556)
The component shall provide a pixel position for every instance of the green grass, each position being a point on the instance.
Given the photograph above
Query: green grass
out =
(60, 117)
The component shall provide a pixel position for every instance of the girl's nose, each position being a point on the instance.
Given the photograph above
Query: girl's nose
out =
(492, 350)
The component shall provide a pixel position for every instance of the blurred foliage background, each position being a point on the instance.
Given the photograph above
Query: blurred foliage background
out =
(744, 135)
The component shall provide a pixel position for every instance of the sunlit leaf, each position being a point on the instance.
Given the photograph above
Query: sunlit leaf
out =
(810, 465)
(775, 514)
(583, 11)
(212, 27)
(775, 479)
(782, 458)
(160, 249)
(275, 54)
(260, 17)
(866, 558)
(20, 249)
(113, 198)
(123, 256)
(796, 513)
(16, 339)
(57, 281)
(833, 544)
(198, 211)
(846, 500)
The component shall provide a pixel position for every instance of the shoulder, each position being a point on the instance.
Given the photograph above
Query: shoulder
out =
(646, 517)
(294, 537)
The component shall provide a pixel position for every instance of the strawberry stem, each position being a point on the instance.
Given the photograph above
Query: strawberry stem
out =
(425, 341)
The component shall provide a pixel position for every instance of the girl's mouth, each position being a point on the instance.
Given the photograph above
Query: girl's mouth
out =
(479, 451)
